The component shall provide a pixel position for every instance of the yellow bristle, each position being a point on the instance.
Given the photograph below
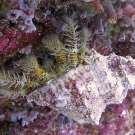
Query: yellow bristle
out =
(41, 73)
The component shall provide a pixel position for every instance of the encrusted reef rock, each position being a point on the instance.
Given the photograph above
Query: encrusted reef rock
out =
(84, 92)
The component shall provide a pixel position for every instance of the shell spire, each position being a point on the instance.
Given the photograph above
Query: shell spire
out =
(84, 92)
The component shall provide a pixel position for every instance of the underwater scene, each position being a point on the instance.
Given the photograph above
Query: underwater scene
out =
(67, 67)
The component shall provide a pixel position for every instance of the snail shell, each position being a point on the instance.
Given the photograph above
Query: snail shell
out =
(83, 93)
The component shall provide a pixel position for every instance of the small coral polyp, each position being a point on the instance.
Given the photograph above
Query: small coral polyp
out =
(98, 24)
(26, 24)
(111, 13)
(98, 7)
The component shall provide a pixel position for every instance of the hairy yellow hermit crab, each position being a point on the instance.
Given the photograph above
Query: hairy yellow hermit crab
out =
(68, 54)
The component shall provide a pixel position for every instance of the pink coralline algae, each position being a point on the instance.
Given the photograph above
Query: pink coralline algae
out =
(12, 41)
(4, 43)
(117, 118)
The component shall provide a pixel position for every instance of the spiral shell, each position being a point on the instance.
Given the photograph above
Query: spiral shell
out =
(84, 92)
